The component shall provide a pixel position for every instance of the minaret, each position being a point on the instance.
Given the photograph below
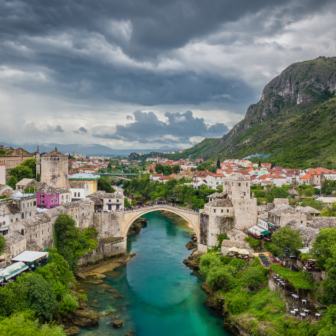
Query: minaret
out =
(38, 164)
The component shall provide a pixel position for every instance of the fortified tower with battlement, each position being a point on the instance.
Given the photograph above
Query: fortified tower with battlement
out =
(232, 209)
(55, 169)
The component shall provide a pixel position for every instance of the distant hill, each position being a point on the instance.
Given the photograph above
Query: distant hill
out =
(93, 149)
(293, 124)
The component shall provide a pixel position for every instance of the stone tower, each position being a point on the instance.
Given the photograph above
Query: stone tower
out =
(55, 169)
(38, 163)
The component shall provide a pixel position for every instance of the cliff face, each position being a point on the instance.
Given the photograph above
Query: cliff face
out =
(298, 92)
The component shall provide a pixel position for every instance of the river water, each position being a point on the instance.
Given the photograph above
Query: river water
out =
(161, 296)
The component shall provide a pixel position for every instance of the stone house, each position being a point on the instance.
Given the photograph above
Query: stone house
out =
(79, 190)
(38, 230)
(283, 214)
(315, 179)
(26, 203)
(4, 189)
(9, 214)
(215, 180)
(49, 197)
(308, 234)
(25, 183)
(109, 201)
(16, 243)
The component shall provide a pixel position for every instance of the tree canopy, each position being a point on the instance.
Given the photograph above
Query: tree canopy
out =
(285, 238)
(12, 182)
(105, 185)
(2, 243)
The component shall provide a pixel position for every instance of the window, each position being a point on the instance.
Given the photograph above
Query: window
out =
(75, 194)
(227, 210)
(246, 185)
(42, 196)
(239, 184)
(214, 210)
(222, 211)
(56, 200)
(117, 200)
(11, 220)
(78, 194)
(110, 201)
(52, 201)
(30, 214)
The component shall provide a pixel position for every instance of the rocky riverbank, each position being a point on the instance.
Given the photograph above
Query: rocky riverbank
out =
(137, 226)
(91, 278)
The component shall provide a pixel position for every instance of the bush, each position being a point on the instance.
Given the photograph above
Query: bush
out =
(238, 302)
(68, 304)
(254, 243)
(254, 276)
(218, 277)
(82, 297)
(25, 324)
(207, 262)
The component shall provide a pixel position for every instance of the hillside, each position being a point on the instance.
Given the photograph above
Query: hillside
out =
(294, 123)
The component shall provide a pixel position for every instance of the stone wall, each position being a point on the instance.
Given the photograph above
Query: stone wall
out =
(204, 228)
(278, 201)
(109, 224)
(55, 171)
(299, 218)
(107, 248)
(245, 212)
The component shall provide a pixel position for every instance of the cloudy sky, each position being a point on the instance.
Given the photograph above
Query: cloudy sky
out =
(147, 73)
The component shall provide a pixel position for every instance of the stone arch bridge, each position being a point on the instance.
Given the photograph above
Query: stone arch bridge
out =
(191, 216)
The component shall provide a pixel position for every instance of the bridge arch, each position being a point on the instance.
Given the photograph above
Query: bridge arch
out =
(190, 216)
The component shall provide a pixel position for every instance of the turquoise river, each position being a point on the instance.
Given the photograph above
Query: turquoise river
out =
(161, 296)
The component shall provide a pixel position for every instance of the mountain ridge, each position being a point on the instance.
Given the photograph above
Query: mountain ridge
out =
(294, 96)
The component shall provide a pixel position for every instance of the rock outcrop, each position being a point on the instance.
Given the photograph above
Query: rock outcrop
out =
(84, 318)
(192, 261)
(137, 226)
(191, 245)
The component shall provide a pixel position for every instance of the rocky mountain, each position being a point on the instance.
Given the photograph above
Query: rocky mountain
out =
(294, 123)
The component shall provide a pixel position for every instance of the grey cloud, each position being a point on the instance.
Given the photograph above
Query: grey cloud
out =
(129, 117)
(57, 128)
(178, 128)
(56, 38)
(81, 130)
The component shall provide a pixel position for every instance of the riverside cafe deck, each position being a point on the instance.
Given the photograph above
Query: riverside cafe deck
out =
(24, 262)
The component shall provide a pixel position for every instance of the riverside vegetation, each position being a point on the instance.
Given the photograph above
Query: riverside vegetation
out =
(31, 304)
(239, 289)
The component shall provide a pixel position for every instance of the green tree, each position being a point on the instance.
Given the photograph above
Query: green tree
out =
(12, 182)
(218, 277)
(105, 185)
(330, 211)
(31, 164)
(21, 172)
(286, 237)
(167, 170)
(323, 246)
(176, 169)
(253, 276)
(127, 204)
(159, 168)
(278, 192)
(41, 297)
(25, 324)
(2, 152)
(67, 239)
(312, 202)
(218, 163)
(2, 243)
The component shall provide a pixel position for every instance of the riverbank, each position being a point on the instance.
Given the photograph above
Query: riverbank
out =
(152, 293)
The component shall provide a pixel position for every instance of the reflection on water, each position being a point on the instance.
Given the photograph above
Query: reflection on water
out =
(155, 294)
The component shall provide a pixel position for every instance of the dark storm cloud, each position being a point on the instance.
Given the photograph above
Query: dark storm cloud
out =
(81, 130)
(66, 40)
(179, 128)
(57, 128)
